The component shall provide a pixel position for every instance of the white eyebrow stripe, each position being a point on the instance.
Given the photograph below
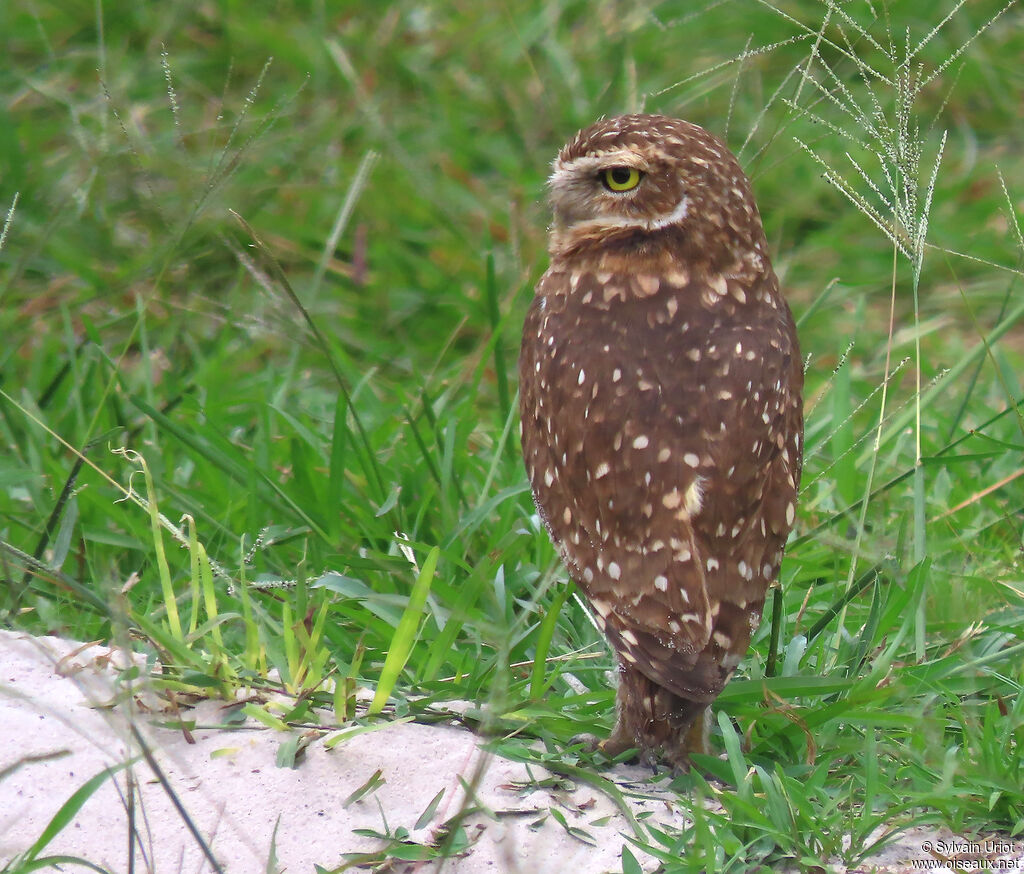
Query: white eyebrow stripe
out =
(678, 214)
(587, 164)
(651, 224)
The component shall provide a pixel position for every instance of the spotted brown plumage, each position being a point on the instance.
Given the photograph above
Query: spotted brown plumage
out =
(660, 386)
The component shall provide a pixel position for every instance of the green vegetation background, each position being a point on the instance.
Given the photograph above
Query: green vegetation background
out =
(280, 253)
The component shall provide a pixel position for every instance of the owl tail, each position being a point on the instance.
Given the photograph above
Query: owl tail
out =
(655, 720)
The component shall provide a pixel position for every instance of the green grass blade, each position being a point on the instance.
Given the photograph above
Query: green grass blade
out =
(405, 633)
(544, 637)
(494, 311)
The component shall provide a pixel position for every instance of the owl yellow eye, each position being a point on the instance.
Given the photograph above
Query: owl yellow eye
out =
(621, 178)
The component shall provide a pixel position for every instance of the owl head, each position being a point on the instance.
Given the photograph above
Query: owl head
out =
(649, 182)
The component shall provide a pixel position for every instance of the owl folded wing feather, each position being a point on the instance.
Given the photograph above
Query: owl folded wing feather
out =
(655, 503)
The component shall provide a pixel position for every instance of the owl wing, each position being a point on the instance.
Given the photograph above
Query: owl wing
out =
(651, 460)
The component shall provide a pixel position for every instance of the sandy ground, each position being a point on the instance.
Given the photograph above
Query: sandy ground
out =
(59, 728)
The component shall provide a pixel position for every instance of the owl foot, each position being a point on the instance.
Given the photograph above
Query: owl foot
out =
(612, 747)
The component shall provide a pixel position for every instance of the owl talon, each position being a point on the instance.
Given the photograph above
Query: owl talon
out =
(610, 747)
(589, 742)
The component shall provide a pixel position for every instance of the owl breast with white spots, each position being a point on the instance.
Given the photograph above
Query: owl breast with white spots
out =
(660, 385)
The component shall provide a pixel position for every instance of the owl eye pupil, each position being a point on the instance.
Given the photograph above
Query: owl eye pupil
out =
(620, 175)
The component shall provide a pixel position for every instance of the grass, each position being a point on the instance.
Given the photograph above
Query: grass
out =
(262, 277)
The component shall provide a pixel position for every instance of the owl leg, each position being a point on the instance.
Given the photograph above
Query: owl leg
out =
(695, 738)
(620, 740)
(657, 721)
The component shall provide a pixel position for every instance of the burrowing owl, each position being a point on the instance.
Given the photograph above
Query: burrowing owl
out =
(662, 421)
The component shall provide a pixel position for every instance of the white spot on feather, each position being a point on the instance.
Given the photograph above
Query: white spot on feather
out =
(648, 284)
(718, 285)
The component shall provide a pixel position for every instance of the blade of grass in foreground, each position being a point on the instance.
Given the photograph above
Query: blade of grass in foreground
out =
(544, 637)
(405, 633)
